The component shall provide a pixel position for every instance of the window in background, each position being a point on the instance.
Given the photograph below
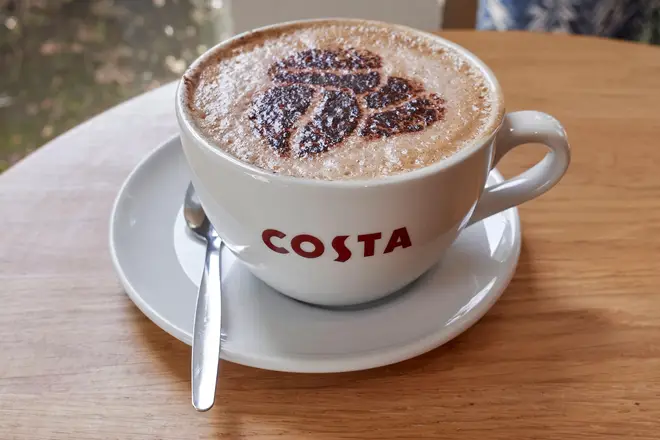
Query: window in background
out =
(63, 61)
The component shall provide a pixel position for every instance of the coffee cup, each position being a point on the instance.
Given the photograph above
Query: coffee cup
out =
(349, 241)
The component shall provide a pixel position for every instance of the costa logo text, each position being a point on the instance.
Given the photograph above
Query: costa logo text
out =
(309, 246)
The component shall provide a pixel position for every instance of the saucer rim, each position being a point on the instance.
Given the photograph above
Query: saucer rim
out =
(319, 363)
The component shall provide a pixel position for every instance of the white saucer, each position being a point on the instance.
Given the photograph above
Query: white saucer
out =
(159, 265)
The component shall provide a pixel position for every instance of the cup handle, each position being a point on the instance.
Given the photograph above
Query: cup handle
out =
(519, 128)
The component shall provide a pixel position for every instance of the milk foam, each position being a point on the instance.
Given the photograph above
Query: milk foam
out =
(223, 88)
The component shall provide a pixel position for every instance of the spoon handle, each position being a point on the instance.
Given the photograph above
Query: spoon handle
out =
(207, 330)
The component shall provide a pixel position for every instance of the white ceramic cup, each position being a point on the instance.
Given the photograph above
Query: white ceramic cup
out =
(352, 241)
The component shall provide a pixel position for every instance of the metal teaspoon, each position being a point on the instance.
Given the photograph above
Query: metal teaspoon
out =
(207, 324)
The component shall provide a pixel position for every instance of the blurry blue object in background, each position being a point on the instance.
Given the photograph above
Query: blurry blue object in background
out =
(637, 20)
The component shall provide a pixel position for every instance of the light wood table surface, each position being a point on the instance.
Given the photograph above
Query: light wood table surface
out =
(571, 350)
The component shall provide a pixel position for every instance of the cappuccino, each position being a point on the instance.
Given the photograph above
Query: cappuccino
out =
(340, 99)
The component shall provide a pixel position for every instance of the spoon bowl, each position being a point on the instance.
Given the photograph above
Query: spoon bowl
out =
(194, 214)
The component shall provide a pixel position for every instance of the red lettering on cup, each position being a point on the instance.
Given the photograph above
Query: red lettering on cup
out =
(400, 238)
(298, 240)
(369, 241)
(268, 235)
(339, 245)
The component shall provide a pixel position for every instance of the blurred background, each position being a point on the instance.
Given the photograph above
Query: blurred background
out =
(64, 61)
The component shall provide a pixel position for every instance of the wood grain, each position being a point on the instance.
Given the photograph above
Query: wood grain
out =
(571, 351)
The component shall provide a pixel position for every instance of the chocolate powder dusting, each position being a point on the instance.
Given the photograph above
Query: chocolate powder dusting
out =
(414, 115)
(348, 59)
(357, 82)
(336, 119)
(275, 112)
(394, 91)
(342, 75)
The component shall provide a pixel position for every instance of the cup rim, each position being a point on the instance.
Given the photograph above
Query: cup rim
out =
(186, 121)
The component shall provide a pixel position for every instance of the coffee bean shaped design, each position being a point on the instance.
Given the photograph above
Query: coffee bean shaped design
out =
(321, 96)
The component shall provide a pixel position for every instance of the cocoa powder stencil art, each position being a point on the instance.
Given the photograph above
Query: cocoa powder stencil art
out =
(320, 97)
(337, 101)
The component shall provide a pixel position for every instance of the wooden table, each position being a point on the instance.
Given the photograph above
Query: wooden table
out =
(571, 351)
